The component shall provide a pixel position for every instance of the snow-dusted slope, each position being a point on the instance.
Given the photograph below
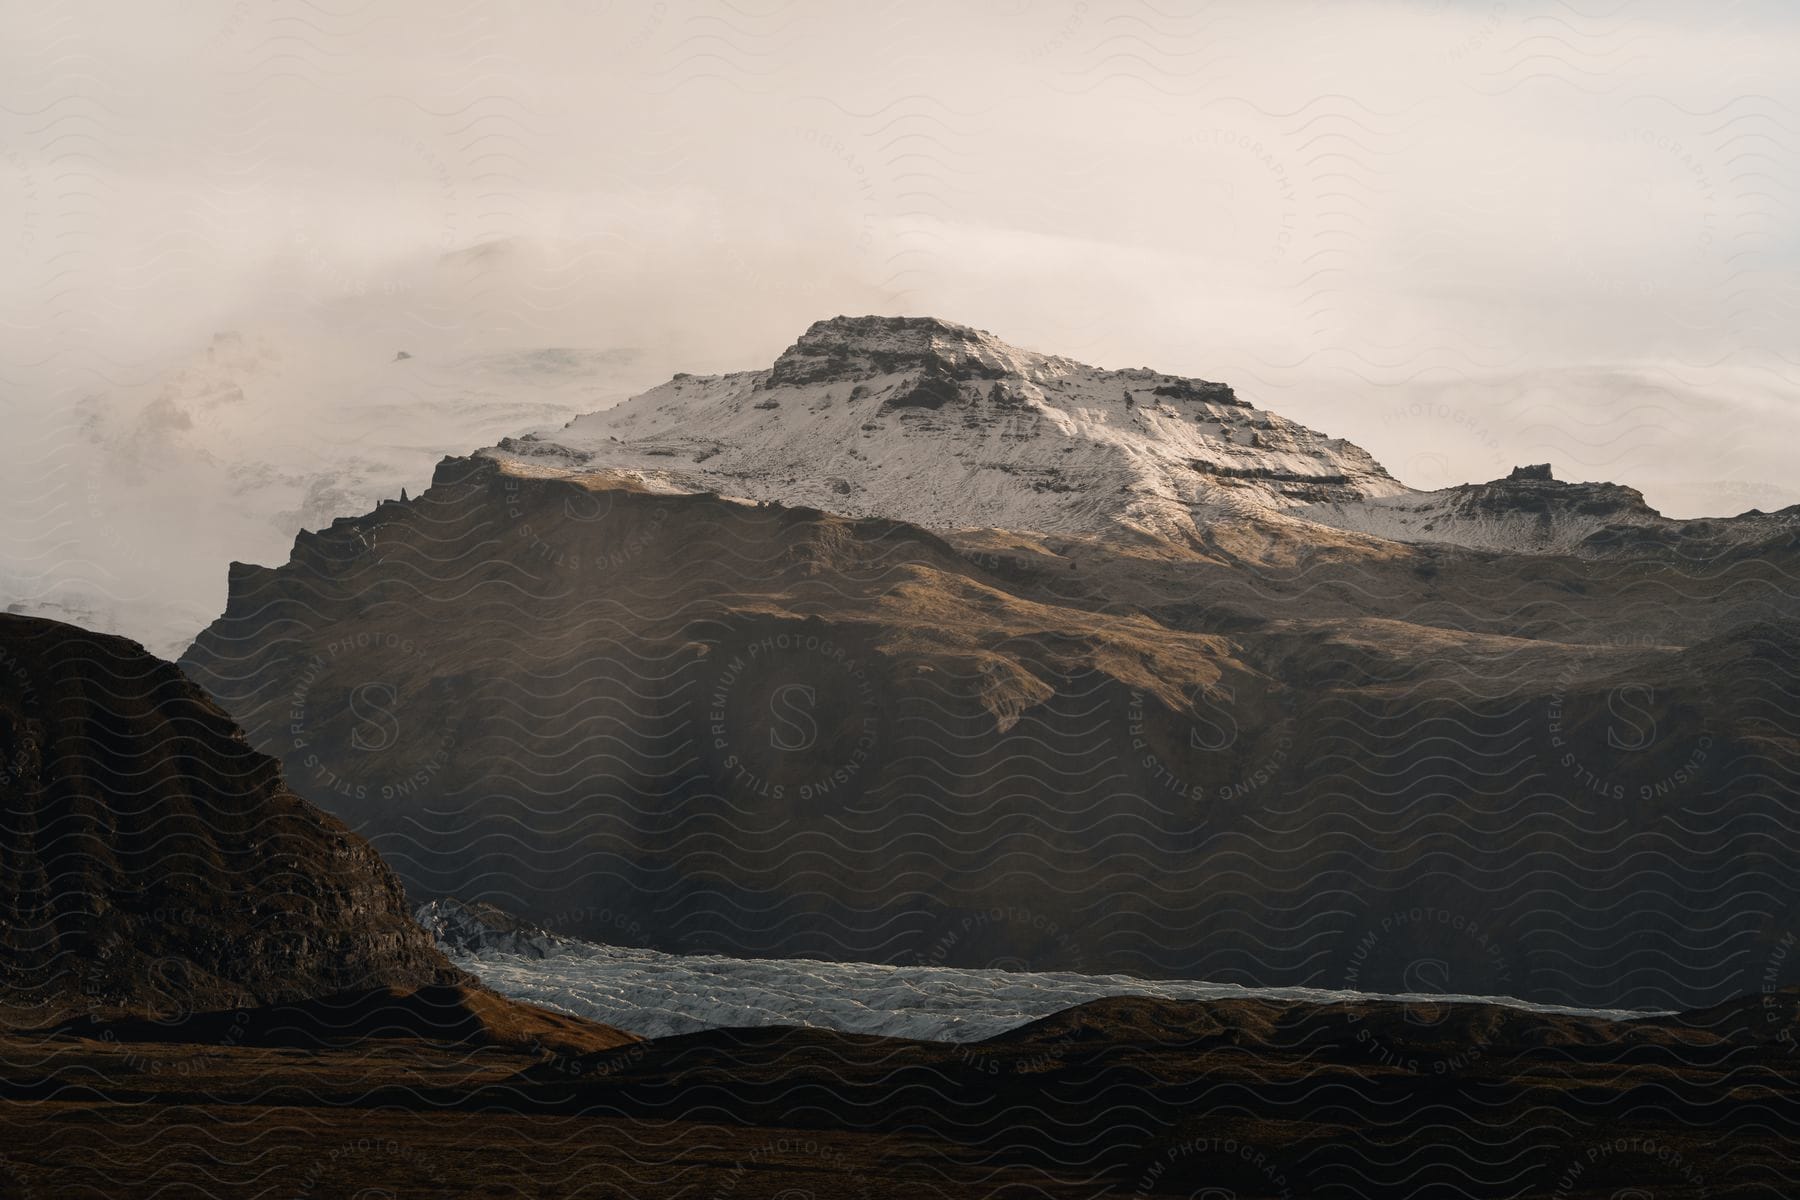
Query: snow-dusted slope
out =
(1531, 512)
(654, 994)
(949, 427)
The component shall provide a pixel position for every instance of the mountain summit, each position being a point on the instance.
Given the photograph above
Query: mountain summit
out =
(932, 422)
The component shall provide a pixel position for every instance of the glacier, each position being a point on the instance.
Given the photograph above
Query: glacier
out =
(658, 994)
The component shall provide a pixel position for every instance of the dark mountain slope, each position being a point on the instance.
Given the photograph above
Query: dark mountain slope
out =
(153, 863)
(1331, 760)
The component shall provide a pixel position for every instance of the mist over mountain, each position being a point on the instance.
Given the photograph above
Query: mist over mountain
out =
(136, 485)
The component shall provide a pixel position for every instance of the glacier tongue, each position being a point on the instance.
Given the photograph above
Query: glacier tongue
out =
(655, 994)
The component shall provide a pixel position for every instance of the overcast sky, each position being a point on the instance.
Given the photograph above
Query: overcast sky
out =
(1460, 234)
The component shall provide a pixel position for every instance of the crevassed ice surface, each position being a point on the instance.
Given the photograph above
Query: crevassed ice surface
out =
(655, 994)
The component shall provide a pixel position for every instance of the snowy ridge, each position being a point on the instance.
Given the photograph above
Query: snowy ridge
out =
(654, 994)
(1517, 515)
(1531, 512)
(949, 427)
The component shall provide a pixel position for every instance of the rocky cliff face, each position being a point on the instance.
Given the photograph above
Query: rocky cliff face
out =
(155, 864)
(644, 715)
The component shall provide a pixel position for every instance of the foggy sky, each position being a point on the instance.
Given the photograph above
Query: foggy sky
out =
(1463, 235)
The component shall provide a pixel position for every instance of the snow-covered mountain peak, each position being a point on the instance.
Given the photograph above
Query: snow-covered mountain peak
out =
(855, 348)
(950, 427)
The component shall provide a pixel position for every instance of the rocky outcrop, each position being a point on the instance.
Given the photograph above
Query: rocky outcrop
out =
(852, 348)
(155, 864)
(461, 928)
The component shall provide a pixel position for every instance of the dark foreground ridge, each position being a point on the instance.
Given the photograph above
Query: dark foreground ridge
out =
(1248, 1098)
(163, 884)
(155, 864)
